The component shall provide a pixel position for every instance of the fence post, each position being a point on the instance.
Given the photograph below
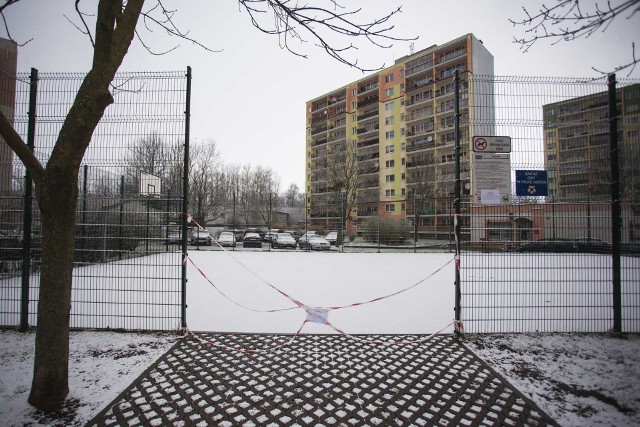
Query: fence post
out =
(185, 198)
(458, 195)
(28, 206)
(616, 223)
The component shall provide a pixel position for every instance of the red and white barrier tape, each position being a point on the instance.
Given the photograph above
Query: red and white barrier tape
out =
(298, 304)
(314, 314)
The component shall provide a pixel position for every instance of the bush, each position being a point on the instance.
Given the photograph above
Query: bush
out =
(392, 231)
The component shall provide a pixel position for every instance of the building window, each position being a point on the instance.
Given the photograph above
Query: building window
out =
(390, 178)
(390, 208)
(388, 92)
(354, 105)
(390, 163)
(388, 120)
(354, 92)
(403, 146)
(389, 106)
(403, 176)
(354, 131)
(389, 134)
(390, 193)
(389, 149)
(499, 231)
(388, 78)
(404, 192)
(403, 161)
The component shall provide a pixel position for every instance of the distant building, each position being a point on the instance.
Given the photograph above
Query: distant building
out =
(379, 143)
(577, 145)
(8, 70)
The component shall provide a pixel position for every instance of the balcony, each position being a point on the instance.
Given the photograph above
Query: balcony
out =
(420, 115)
(335, 100)
(368, 142)
(367, 129)
(368, 87)
(318, 129)
(319, 141)
(369, 114)
(451, 56)
(420, 130)
(411, 86)
(337, 136)
(421, 144)
(418, 100)
(367, 157)
(368, 101)
(418, 68)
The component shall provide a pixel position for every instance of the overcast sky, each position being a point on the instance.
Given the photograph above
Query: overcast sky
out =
(250, 97)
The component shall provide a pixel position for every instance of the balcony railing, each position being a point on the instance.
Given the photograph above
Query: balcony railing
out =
(319, 129)
(421, 144)
(418, 115)
(450, 56)
(368, 142)
(368, 87)
(368, 101)
(415, 70)
(369, 114)
(337, 137)
(417, 100)
(418, 84)
(319, 141)
(368, 129)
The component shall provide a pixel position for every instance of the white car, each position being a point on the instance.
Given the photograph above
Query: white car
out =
(227, 238)
(314, 242)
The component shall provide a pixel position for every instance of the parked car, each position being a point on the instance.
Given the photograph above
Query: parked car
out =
(314, 242)
(227, 238)
(308, 233)
(332, 237)
(269, 235)
(293, 234)
(239, 235)
(252, 240)
(283, 240)
(174, 237)
(548, 245)
(201, 237)
(592, 245)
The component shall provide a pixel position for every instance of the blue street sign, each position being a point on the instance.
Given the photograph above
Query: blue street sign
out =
(531, 183)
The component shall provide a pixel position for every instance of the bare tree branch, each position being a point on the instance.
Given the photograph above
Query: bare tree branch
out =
(567, 21)
(291, 20)
(6, 26)
(15, 142)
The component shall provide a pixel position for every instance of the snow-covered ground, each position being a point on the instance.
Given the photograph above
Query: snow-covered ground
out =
(577, 379)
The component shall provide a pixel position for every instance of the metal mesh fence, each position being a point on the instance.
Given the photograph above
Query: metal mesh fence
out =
(544, 263)
(127, 274)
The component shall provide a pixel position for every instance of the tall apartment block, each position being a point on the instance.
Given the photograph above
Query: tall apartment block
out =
(577, 145)
(384, 146)
(8, 69)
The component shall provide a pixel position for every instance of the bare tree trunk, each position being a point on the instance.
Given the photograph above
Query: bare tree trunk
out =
(58, 198)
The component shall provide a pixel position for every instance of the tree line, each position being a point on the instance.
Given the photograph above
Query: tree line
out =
(249, 193)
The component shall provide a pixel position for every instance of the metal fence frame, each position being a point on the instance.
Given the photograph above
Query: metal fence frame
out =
(504, 282)
(126, 276)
